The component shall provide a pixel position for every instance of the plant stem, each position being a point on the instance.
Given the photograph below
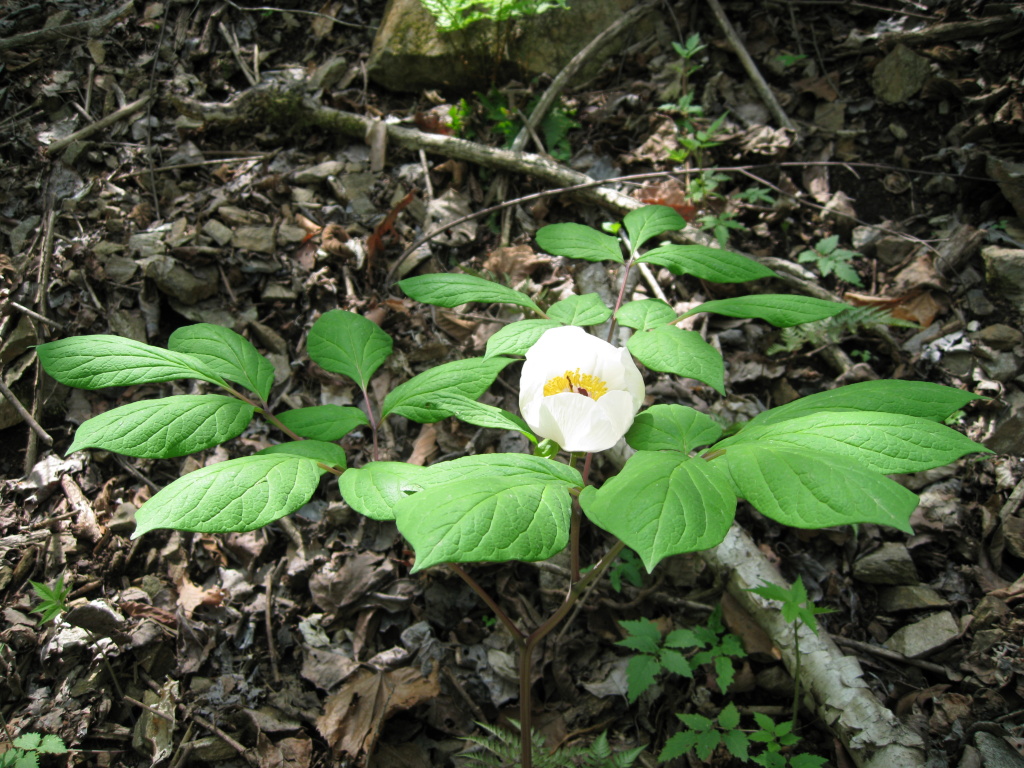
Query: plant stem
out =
(517, 634)
(373, 421)
(796, 675)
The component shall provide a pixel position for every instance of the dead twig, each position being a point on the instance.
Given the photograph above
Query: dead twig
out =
(25, 415)
(99, 125)
(87, 28)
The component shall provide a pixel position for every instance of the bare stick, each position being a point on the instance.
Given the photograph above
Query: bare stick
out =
(74, 29)
(99, 125)
(25, 415)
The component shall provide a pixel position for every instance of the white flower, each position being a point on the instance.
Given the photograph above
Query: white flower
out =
(578, 390)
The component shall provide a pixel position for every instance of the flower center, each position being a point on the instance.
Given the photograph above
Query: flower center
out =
(585, 384)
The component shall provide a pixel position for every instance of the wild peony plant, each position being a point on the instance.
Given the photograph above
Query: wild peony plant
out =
(820, 461)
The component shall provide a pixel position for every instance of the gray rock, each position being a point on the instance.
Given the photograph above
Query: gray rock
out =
(19, 235)
(988, 611)
(1004, 271)
(910, 598)
(999, 366)
(999, 336)
(275, 291)
(354, 189)
(1010, 178)
(328, 73)
(1008, 435)
(889, 564)
(258, 239)
(317, 174)
(995, 752)
(179, 283)
(978, 303)
(900, 75)
(18, 341)
(220, 233)
(892, 250)
(147, 244)
(119, 269)
(923, 637)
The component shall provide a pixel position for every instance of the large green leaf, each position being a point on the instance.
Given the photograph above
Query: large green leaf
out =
(780, 309)
(324, 422)
(587, 309)
(374, 489)
(349, 344)
(673, 350)
(231, 355)
(331, 454)
(650, 221)
(487, 519)
(520, 467)
(911, 398)
(712, 264)
(889, 443)
(419, 397)
(166, 427)
(576, 241)
(237, 495)
(645, 314)
(447, 290)
(661, 505)
(516, 338)
(479, 414)
(808, 489)
(94, 362)
(670, 427)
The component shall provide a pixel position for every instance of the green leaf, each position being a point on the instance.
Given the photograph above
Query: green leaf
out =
(331, 454)
(579, 242)
(683, 638)
(587, 309)
(375, 489)
(641, 673)
(806, 489)
(712, 264)
(324, 422)
(678, 744)
(52, 745)
(516, 338)
(418, 398)
(672, 428)
(676, 663)
(725, 672)
(911, 398)
(519, 467)
(639, 643)
(645, 314)
(643, 631)
(729, 718)
(26, 760)
(889, 443)
(660, 505)
(736, 741)
(94, 362)
(492, 519)
(226, 352)
(28, 741)
(349, 344)
(481, 415)
(445, 290)
(237, 495)
(673, 350)
(650, 221)
(779, 309)
(167, 427)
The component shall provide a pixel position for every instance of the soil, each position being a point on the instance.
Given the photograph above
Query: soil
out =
(308, 642)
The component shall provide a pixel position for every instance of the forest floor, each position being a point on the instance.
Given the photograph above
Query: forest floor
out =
(307, 642)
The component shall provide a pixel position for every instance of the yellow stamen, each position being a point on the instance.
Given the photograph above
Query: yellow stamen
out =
(585, 384)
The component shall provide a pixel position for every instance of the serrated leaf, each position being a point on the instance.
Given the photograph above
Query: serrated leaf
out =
(349, 344)
(226, 352)
(29, 740)
(27, 760)
(641, 673)
(331, 454)
(52, 745)
(488, 519)
(676, 663)
(673, 505)
(516, 338)
(810, 490)
(725, 673)
(645, 314)
(729, 717)
(576, 241)
(639, 644)
(677, 745)
(780, 309)
(712, 264)
(587, 309)
(684, 353)
(736, 741)
(650, 221)
(374, 489)
(707, 742)
(922, 399)
(683, 638)
(166, 427)
(324, 422)
(889, 443)
(417, 398)
(237, 495)
(669, 427)
(643, 628)
(453, 290)
(94, 362)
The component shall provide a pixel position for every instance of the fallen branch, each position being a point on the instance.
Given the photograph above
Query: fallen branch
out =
(99, 125)
(87, 28)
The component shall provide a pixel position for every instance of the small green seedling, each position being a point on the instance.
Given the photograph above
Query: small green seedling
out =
(787, 60)
(53, 601)
(704, 735)
(831, 259)
(775, 737)
(500, 748)
(26, 749)
(627, 567)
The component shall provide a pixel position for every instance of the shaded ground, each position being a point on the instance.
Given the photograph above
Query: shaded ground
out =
(307, 643)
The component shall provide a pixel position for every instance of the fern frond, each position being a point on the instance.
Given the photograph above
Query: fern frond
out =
(834, 329)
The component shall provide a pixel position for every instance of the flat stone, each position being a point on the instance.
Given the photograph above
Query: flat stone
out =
(1010, 178)
(923, 637)
(1008, 435)
(988, 611)
(328, 73)
(892, 250)
(900, 75)
(978, 303)
(999, 336)
(995, 752)
(318, 173)
(910, 598)
(147, 244)
(179, 283)
(276, 291)
(1000, 366)
(217, 231)
(289, 233)
(889, 564)
(1004, 271)
(19, 340)
(258, 239)
(119, 269)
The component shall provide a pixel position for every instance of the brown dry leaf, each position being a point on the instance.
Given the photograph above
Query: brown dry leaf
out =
(517, 262)
(918, 306)
(287, 753)
(823, 87)
(815, 177)
(322, 24)
(425, 445)
(755, 640)
(191, 597)
(455, 326)
(343, 582)
(354, 716)
(333, 239)
(326, 669)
